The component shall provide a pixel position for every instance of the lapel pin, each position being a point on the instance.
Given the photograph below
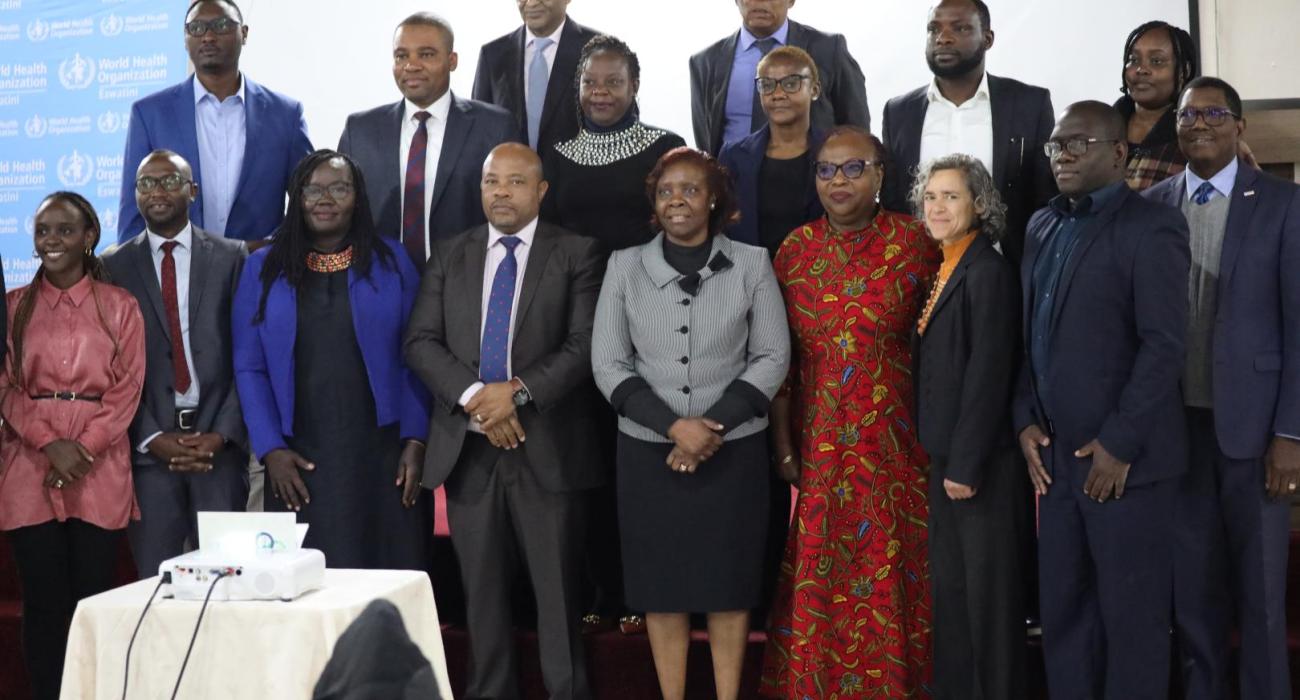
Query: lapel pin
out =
(1248, 193)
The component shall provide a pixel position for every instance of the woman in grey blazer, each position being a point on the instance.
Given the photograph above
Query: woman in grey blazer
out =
(689, 346)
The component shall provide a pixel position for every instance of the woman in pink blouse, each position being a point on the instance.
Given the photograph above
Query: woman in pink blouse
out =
(70, 387)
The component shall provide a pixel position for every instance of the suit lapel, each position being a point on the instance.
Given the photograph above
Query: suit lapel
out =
(143, 259)
(562, 74)
(515, 78)
(254, 109)
(1089, 232)
(475, 252)
(959, 273)
(183, 117)
(543, 244)
(459, 124)
(718, 100)
(1000, 106)
(200, 259)
(1240, 210)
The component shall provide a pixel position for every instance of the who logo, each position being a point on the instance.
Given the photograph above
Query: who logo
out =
(76, 169)
(77, 73)
(38, 30)
(36, 126)
(111, 122)
(29, 225)
(111, 25)
(108, 219)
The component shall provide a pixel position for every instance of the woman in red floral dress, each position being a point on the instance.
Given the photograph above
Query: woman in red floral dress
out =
(852, 613)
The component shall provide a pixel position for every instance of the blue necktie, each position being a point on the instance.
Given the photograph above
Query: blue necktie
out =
(1203, 193)
(496, 327)
(539, 74)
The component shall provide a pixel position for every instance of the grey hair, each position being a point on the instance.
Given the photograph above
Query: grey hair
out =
(993, 222)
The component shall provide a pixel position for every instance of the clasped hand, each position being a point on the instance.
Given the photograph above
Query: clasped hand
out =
(694, 440)
(69, 461)
(494, 409)
(186, 452)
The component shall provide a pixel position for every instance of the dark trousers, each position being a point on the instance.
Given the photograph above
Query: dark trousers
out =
(496, 511)
(976, 583)
(1104, 579)
(1230, 561)
(58, 565)
(603, 554)
(169, 502)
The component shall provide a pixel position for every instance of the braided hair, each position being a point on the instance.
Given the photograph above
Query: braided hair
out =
(614, 45)
(1186, 55)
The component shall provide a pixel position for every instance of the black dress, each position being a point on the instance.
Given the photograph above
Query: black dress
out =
(782, 184)
(355, 514)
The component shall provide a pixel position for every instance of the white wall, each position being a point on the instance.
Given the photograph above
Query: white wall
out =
(334, 55)
(1251, 44)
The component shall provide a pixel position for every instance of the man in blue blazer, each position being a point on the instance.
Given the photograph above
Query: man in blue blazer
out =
(242, 139)
(1099, 415)
(1242, 392)
(422, 156)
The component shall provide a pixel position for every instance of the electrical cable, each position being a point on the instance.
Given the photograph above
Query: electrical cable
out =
(195, 635)
(126, 672)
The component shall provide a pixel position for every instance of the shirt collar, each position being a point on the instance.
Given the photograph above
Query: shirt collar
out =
(982, 92)
(77, 293)
(747, 40)
(184, 239)
(530, 37)
(1223, 180)
(525, 234)
(201, 92)
(1088, 204)
(439, 110)
(661, 273)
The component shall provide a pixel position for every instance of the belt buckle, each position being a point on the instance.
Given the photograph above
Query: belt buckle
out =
(65, 395)
(185, 418)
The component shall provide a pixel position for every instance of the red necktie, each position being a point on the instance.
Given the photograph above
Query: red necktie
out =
(180, 370)
(413, 233)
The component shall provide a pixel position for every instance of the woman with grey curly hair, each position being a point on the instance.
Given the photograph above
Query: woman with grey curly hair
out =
(965, 346)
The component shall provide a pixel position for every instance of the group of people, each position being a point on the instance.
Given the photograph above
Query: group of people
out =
(616, 352)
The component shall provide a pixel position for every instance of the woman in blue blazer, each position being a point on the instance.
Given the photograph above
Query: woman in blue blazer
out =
(332, 411)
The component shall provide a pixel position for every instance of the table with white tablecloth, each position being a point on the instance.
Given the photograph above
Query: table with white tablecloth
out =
(245, 649)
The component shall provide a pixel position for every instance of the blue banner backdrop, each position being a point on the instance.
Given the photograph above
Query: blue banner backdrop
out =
(69, 71)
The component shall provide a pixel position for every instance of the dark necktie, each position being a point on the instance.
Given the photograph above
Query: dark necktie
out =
(756, 117)
(492, 365)
(1203, 193)
(180, 369)
(414, 236)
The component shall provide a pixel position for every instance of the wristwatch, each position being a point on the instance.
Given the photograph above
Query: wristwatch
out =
(521, 395)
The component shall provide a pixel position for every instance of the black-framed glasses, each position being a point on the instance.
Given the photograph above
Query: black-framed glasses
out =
(789, 84)
(1213, 116)
(147, 183)
(337, 190)
(220, 26)
(1075, 147)
(852, 169)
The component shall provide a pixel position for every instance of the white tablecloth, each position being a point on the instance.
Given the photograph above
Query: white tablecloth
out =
(246, 649)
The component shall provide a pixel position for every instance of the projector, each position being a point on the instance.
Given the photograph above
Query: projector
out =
(262, 575)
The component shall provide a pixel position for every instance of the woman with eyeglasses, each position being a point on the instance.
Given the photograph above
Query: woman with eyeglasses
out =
(772, 167)
(331, 408)
(70, 387)
(852, 610)
(1159, 59)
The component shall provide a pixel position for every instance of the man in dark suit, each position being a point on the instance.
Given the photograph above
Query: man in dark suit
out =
(510, 67)
(242, 140)
(421, 156)
(501, 334)
(1099, 415)
(189, 431)
(1242, 392)
(724, 101)
(1000, 121)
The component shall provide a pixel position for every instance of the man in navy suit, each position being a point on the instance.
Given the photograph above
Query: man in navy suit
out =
(1242, 392)
(509, 67)
(423, 155)
(242, 139)
(1099, 414)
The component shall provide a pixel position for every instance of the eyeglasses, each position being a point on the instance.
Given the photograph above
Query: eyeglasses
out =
(171, 183)
(1075, 147)
(852, 169)
(1213, 116)
(337, 190)
(220, 26)
(789, 84)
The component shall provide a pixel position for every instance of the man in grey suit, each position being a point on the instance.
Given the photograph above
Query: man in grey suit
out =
(501, 334)
(189, 436)
(421, 156)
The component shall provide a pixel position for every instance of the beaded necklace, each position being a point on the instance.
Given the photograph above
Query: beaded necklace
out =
(329, 262)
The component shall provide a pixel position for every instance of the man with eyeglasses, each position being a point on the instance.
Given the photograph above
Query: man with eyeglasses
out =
(1099, 413)
(190, 441)
(725, 103)
(242, 139)
(1000, 121)
(1241, 389)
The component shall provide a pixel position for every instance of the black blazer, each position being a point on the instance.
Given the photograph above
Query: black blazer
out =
(743, 159)
(373, 139)
(215, 265)
(964, 366)
(1118, 341)
(1022, 123)
(499, 80)
(551, 352)
(844, 88)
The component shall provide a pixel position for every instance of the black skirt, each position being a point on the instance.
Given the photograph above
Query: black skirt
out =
(693, 542)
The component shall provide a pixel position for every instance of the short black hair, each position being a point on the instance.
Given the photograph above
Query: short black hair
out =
(1212, 83)
(882, 153)
(1186, 55)
(981, 9)
(726, 208)
(230, 3)
(612, 44)
(428, 19)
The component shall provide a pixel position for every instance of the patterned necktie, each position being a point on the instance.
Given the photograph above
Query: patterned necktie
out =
(496, 326)
(180, 369)
(1203, 193)
(756, 117)
(539, 74)
(414, 236)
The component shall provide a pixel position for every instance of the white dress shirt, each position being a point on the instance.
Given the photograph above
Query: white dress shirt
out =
(221, 128)
(949, 128)
(181, 256)
(436, 125)
(549, 53)
(495, 254)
